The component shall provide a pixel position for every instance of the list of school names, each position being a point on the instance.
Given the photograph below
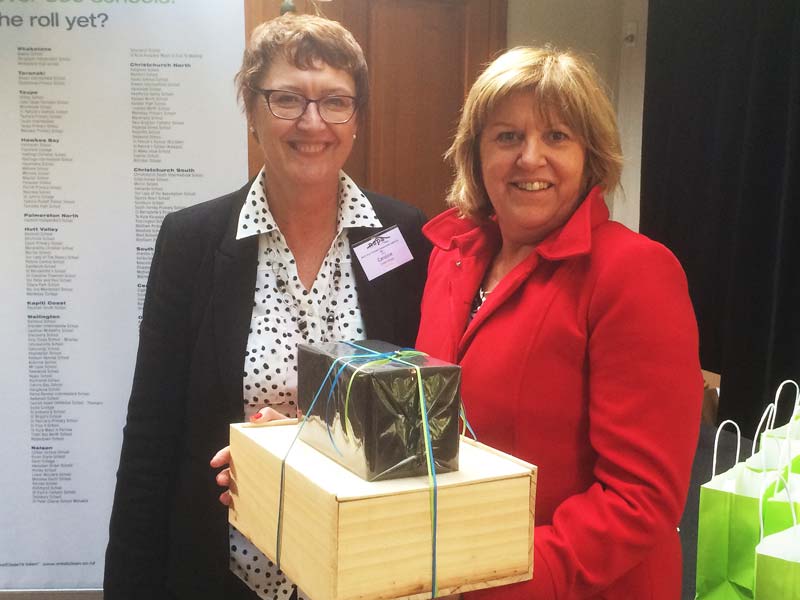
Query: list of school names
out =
(56, 244)
(51, 256)
(161, 182)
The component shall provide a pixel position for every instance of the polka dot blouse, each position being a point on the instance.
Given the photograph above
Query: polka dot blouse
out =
(285, 314)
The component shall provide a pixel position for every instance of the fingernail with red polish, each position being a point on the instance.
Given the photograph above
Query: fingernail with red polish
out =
(256, 417)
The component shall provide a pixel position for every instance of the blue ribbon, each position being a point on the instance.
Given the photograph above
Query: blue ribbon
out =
(281, 490)
(431, 465)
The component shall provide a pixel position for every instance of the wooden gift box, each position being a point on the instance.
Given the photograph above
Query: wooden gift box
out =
(346, 538)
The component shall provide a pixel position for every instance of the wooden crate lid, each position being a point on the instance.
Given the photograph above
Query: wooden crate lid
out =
(477, 462)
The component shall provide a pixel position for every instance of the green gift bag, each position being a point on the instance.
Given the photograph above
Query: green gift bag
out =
(730, 515)
(717, 533)
(777, 570)
(781, 505)
(780, 443)
(729, 525)
(781, 446)
(778, 566)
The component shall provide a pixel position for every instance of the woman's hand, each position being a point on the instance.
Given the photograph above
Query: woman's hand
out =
(267, 414)
(223, 457)
(224, 478)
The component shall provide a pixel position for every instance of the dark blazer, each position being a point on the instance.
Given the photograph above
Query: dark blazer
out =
(168, 532)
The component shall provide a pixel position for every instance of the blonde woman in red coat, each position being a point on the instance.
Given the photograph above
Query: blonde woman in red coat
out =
(576, 336)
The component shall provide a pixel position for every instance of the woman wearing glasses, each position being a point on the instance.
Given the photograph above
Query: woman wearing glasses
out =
(236, 283)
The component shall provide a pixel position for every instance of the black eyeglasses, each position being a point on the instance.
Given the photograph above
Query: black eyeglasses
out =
(290, 105)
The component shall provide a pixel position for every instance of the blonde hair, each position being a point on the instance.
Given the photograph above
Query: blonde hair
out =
(303, 41)
(562, 86)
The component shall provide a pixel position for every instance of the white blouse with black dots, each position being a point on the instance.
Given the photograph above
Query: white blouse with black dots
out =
(285, 314)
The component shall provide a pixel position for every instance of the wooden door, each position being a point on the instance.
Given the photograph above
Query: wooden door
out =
(423, 55)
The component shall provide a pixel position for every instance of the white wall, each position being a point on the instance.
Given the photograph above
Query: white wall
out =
(630, 99)
(596, 29)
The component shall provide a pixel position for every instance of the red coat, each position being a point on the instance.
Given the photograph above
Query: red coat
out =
(583, 361)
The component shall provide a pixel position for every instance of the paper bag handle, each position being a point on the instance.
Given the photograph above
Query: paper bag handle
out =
(716, 444)
(795, 408)
(765, 420)
(778, 477)
(793, 419)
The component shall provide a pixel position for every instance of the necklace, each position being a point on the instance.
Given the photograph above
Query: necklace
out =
(478, 301)
(305, 305)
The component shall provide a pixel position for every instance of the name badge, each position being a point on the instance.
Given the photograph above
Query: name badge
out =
(382, 252)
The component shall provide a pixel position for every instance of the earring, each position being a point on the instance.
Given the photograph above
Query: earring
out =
(354, 136)
(252, 130)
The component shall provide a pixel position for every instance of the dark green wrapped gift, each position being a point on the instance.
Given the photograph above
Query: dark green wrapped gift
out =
(367, 413)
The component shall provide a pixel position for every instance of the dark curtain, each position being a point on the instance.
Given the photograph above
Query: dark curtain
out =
(721, 183)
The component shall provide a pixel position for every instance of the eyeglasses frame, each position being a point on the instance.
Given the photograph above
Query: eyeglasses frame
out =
(267, 93)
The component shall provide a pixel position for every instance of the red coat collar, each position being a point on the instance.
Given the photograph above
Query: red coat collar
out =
(574, 238)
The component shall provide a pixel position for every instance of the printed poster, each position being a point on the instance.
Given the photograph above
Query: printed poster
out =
(114, 112)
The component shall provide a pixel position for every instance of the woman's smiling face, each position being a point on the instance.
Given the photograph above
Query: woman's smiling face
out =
(532, 169)
(307, 150)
